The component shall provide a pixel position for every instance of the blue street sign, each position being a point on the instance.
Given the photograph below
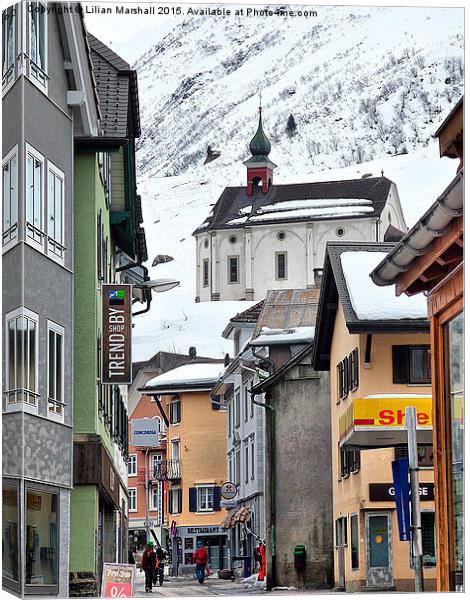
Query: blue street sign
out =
(402, 499)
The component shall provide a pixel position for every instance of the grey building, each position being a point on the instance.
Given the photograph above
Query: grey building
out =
(48, 94)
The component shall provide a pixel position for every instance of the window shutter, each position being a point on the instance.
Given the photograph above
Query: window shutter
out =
(180, 500)
(192, 499)
(400, 361)
(216, 493)
(350, 373)
(170, 501)
(215, 402)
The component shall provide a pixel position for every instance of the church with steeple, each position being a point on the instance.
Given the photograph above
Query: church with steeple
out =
(264, 236)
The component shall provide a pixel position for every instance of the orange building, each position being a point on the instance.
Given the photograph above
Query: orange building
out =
(195, 466)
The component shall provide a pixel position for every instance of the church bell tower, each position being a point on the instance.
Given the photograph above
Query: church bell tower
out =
(259, 166)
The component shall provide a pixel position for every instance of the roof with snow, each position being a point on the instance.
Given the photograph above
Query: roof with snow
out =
(367, 307)
(278, 337)
(161, 362)
(348, 199)
(191, 377)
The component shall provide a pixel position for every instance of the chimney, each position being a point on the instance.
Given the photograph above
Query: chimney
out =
(192, 352)
(226, 360)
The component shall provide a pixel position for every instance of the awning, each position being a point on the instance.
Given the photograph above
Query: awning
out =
(378, 421)
(238, 515)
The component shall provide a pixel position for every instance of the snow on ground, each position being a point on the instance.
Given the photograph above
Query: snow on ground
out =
(198, 373)
(173, 207)
(372, 302)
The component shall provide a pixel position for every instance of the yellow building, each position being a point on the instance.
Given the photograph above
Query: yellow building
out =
(377, 351)
(195, 467)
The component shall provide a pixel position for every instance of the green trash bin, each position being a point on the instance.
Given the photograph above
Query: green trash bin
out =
(300, 557)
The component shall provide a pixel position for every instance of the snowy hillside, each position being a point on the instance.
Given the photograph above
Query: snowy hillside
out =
(174, 206)
(360, 83)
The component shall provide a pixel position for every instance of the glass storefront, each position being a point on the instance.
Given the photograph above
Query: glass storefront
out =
(456, 388)
(10, 564)
(41, 538)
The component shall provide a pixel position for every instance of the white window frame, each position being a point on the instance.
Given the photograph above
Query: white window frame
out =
(7, 82)
(246, 457)
(29, 240)
(205, 282)
(205, 504)
(134, 463)
(253, 456)
(132, 489)
(18, 405)
(13, 229)
(28, 62)
(58, 255)
(155, 458)
(157, 488)
(235, 257)
(175, 399)
(58, 329)
(176, 488)
(176, 442)
(276, 266)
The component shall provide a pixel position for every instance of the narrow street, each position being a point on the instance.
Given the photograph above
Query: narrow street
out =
(188, 586)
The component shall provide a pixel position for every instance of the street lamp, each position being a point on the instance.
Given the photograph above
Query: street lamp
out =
(158, 285)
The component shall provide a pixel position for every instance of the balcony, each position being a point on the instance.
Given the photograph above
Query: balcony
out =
(168, 470)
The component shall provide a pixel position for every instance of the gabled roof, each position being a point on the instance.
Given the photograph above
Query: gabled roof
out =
(393, 234)
(320, 201)
(161, 362)
(346, 282)
(250, 315)
(117, 90)
(189, 377)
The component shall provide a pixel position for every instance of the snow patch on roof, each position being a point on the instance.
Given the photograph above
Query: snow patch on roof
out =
(336, 212)
(193, 374)
(317, 203)
(294, 335)
(371, 302)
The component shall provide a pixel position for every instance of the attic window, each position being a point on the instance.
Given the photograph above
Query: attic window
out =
(233, 239)
(281, 235)
(340, 231)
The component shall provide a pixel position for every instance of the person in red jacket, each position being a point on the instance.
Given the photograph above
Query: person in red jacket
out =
(148, 564)
(200, 558)
(262, 571)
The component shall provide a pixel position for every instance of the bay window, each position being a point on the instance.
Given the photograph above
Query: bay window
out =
(55, 370)
(55, 212)
(36, 42)
(22, 358)
(8, 45)
(34, 197)
(10, 198)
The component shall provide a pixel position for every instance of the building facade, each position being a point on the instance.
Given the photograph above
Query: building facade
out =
(377, 352)
(109, 241)
(439, 272)
(195, 466)
(266, 236)
(48, 99)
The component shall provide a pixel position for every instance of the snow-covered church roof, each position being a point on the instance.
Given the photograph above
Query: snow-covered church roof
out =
(318, 201)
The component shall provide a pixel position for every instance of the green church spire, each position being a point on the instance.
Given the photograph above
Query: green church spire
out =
(260, 146)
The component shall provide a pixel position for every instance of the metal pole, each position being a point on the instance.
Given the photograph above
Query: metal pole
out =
(416, 532)
(147, 525)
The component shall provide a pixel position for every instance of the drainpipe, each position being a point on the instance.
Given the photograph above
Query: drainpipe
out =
(270, 582)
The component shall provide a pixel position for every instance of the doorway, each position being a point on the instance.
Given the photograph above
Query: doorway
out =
(341, 542)
(379, 572)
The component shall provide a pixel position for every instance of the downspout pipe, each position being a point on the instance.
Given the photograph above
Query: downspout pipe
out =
(270, 582)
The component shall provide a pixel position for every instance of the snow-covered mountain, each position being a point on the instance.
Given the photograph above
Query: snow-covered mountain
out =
(360, 82)
(363, 85)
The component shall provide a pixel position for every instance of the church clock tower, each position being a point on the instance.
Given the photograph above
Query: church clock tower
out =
(259, 166)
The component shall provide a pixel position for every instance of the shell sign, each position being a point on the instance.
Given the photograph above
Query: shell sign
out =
(378, 421)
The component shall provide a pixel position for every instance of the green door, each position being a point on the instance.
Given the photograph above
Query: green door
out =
(379, 550)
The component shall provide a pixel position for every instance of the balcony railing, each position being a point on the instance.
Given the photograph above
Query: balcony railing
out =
(168, 470)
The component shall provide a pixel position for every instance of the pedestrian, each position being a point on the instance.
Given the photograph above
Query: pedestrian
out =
(131, 559)
(200, 558)
(262, 551)
(159, 573)
(148, 564)
(257, 558)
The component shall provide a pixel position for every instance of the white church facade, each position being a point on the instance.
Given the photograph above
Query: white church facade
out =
(265, 236)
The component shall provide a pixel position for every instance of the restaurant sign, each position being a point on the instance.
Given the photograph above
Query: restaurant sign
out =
(117, 328)
(118, 581)
(378, 421)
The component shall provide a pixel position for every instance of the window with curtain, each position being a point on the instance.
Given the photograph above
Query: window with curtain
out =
(22, 357)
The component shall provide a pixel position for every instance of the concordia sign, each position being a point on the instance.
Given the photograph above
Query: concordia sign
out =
(117, 327)
(144, 432)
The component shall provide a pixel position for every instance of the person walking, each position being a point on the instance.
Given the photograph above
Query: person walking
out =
(159, 573)
(148, 564)
(200, 558)
(262, 551)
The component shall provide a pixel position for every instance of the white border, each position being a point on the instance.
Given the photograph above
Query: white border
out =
(51, 326)
(61, 175)
(38, 156)
(13, 152)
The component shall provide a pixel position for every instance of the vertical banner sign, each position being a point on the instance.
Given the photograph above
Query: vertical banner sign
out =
(117, 328)
(402, 497)
(118, 581)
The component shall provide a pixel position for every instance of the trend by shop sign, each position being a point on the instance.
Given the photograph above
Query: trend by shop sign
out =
(116, 347)
(144, 432)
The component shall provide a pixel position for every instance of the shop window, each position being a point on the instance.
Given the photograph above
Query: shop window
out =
(22, 358)
(281, 265)
(55, 370)
(233, 269)
(10, 533)
(41, 536)
(429, 539)
(8, 45)
(205, 272)
(132, 465)
(132, 499)
(411, 364)
(10, 198)
(425, 455)
(354, 528)
(175, 410)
